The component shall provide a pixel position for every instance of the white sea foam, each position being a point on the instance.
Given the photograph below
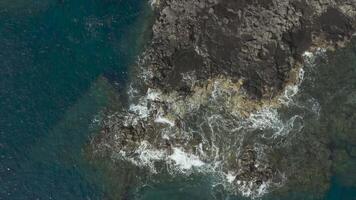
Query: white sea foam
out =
(164, 120)
(153, 95)
(96, 119)
(165, 136)
(183, 160)
(140, 109)
(262, 189)
(315, 106)
(153, 3)
(269, 119)
(146, 156)
(291, 90)
(216, 92)
(230, 177)
(132, 92)
(310, 56)
(200, 52)
(266, 118)
(147, 153)
(247, 189)
(288, 94)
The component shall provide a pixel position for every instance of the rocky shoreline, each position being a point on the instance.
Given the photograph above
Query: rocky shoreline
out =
(206, 90)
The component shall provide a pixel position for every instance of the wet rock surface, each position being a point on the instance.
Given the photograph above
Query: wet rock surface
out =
(207, 90)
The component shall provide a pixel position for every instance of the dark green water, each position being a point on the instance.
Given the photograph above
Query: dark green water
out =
(63, 63)
(334, 86)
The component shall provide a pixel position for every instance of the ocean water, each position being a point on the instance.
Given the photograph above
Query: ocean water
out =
(63, 64)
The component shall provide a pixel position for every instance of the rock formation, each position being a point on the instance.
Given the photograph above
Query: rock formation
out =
(206, 90)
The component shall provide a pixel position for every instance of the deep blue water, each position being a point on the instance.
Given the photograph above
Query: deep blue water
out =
(62, 64)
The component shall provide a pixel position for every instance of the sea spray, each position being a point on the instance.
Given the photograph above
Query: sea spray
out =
(211, 131)
(216, 110)
(206, 133)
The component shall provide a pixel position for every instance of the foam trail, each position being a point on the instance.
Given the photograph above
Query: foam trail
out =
(291, 90)
(153, 3)
(310, 56)
(164, 120)
(185, 161)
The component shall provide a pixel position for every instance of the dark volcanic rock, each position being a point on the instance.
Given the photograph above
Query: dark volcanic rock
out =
(259, 41)
(209, 83)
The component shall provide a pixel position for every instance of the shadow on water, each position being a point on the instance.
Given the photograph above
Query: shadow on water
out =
(62, 63)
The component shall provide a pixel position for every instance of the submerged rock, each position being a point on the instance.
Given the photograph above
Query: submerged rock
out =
(205, 92)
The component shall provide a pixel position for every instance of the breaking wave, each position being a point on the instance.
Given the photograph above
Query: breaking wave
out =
(210, 132)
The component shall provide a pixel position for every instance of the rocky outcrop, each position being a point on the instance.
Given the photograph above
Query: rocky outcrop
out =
(257, 41)
(206, 89)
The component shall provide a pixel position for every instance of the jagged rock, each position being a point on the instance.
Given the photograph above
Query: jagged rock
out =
(258, 41)
(212, 69)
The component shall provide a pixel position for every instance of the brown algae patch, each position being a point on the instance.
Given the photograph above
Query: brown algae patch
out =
(228, 94)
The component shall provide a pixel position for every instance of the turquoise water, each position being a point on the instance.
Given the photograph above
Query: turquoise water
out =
(63, 64)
